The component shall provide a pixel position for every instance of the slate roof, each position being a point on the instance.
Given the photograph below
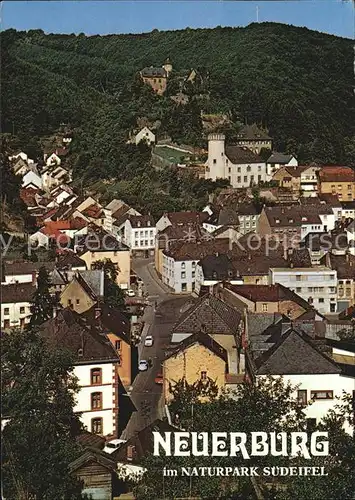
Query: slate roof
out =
(344, 265)
(299, 257)
(19, 292)
(292, 216)
(217, 267)
(279, 158)
(152, 72)
(142, 441)
(110, 320)
(203, 339)
(18, 268)
(99, 240)
(223, 216)
(70, 260)
(92, 280)
(268, 293)
(209, 315)
(186, 217)
(240, 155)
(252, 133)
(195, 250)
(67, 330)
(141, 221)
(294, 353)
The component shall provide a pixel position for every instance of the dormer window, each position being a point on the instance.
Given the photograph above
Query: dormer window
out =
(138, 224)
(148, 223)
(304, 219)
(290, 221)
(80, 353)
(277, 221)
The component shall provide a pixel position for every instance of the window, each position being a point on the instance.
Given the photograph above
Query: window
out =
(321, 301)
(22, 310)
(183, 287)
(298, 277)
(96, 376)
(6, 323)
(150, 232)
(183, 265)
(239, 179)
(248, 168)
(214, 161)
(302, 396)
(245, 178)
(118, 345)
(321, 394)
(229, 169)
(146, 234)
(183, 274)
(238, 170)
(298, 289)
(7, 311)
(192, 274)
(136, 243)
(259, 178)
(264, 308)
(151, 243)
(96, 400)
(70, 303)
(145, 243)
(96, 426)
(77, 301)
(203, 375)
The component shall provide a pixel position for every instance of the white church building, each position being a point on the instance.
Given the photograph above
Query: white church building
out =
(238, 164)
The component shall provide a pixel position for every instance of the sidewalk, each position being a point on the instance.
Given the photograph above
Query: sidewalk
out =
(155, 277)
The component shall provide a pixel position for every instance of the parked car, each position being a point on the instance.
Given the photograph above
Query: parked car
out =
(131, 293)
(113, 445)
(159, 379)
(149, 341)
(143, 365)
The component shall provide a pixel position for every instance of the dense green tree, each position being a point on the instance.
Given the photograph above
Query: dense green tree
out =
(114, 295)
(39, 438)
(43, 302)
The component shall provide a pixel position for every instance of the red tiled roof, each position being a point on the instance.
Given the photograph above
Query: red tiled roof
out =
(336, 174)
(28, 196)
(93, 211)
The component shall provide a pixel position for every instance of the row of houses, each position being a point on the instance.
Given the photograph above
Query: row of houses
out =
(234, 333)
(242, 166)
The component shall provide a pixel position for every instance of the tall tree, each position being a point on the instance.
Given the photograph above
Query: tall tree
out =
(114, 295)
(39, 438)
(43, 302)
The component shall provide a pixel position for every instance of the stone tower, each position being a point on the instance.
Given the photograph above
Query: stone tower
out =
(216, 157)
(168, 66)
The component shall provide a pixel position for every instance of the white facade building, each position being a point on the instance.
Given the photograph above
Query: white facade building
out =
(16, 304)
(145, 135)
(96, 397)
(179, 275)
(33, 178)
(140, 233)
(309, 181)
(278, 160)
(239, 165)
(316, 285)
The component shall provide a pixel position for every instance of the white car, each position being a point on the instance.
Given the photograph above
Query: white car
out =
(131, 293)
(149, 341)
(143, 365)
(113, 445)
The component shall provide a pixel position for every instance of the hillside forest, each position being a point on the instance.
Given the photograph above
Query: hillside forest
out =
(294, 82)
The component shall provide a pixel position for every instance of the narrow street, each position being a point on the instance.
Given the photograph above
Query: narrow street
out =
(146, 394)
